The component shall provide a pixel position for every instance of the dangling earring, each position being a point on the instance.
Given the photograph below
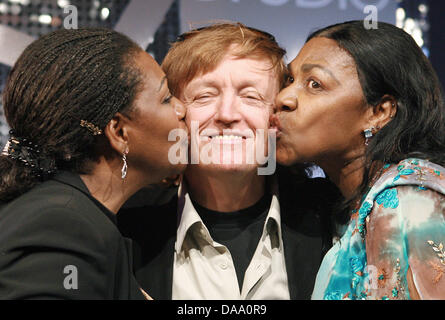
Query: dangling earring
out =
(368, 135)
(125, 166)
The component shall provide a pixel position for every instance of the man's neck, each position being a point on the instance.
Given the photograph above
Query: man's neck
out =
(225, 191)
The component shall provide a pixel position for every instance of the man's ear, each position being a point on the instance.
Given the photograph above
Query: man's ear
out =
(382, 113)
(117, 133)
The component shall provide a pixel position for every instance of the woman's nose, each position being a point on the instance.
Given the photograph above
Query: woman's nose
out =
(286, 100)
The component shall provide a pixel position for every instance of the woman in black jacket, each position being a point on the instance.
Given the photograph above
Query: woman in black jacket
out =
(90, 114)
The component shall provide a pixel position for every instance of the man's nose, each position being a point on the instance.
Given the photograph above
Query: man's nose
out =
(228, 109)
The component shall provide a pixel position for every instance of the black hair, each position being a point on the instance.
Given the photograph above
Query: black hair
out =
(389, 62)
(59, 80)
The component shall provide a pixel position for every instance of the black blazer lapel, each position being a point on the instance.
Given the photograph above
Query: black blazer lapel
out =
(153, 231)
(156, 275)
(291, 244)
(303, 256)
(302, 232)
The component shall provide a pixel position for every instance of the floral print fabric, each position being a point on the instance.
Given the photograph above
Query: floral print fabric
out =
(393, 246)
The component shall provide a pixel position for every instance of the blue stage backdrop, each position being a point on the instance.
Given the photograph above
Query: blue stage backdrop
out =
(290, 21)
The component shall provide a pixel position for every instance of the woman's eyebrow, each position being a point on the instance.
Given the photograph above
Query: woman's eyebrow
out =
(309, 66)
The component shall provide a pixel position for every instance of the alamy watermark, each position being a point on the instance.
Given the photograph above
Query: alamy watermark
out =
(370, 21)
(71, 21)
(70, 282)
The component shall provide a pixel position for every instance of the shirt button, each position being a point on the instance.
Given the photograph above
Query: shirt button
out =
(223, 265)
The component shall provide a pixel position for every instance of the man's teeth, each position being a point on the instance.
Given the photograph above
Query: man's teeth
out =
(227, 137)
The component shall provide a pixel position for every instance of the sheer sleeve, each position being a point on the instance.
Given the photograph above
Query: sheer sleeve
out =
(405, 244)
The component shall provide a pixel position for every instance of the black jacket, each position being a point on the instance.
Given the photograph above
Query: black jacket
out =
(306, 229)
(56, 237)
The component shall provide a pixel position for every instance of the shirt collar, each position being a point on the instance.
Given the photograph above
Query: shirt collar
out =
(273, 222)
(189, 217)
(187, 213)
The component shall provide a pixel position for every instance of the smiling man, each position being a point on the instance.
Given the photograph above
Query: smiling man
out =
(231, 105)
(237, 234)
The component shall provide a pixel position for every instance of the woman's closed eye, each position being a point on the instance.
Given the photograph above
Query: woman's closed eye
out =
(167, 99)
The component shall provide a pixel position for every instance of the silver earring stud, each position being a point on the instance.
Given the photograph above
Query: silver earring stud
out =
(368, 135)
(125, 166)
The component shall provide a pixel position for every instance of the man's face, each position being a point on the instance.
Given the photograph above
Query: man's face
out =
(225, 109)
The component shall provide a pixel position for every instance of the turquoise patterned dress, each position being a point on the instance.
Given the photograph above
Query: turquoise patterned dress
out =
(393, 246)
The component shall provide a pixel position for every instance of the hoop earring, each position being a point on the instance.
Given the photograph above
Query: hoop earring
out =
(125, 166)
(368, 135)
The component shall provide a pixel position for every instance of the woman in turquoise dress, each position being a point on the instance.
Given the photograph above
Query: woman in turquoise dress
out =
(366, 106)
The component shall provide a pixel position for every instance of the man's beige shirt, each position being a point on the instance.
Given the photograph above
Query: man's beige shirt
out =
(203, 269)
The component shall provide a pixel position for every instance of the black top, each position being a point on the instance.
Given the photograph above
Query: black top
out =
(58, 242)
(239, 231)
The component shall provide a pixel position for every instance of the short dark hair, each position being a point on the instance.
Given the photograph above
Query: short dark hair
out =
(389, 62)
(60, 79)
